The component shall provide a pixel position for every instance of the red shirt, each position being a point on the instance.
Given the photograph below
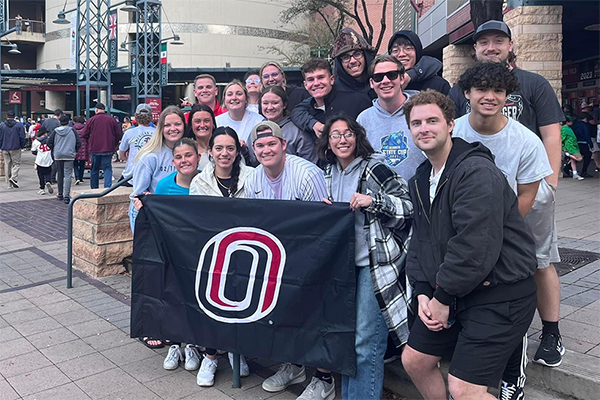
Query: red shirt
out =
(218, 110)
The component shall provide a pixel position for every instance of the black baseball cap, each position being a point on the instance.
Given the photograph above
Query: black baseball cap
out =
(492, 26)
(10, 113)
(100, 106)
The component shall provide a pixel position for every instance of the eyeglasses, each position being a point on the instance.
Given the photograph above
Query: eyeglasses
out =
(271, 75)
(391, 75)
(250, 81)
(357, 54)
(338, 136)
(405, 49)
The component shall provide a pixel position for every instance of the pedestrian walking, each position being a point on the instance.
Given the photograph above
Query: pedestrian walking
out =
(43, 161)
(64, 143)
(12, 140)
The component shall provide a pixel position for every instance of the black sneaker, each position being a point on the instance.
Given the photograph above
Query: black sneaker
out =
(67, 200)
(508, 391)
(59, 197)
(550, 351)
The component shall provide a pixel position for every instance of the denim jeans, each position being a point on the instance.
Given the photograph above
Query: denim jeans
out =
(101, 161)
(370, 343)
(79, 169)
(132, 216)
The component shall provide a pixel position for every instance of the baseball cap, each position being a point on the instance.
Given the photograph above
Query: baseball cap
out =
(275, 130)
(10, 114)
(492, 26)
(100, 106)
(143, 109)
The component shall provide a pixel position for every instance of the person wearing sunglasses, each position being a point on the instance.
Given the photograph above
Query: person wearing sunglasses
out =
(254, 88)
(421, 71)
(384, 121)
(271, 74)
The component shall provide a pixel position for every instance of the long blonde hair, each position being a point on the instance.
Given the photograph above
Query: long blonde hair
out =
(157, 140)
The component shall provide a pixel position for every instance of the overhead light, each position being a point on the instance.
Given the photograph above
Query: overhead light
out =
(176, 40)
(61, 20)
(14, 49)
(129, 7)
(593, 27)
(123, 47)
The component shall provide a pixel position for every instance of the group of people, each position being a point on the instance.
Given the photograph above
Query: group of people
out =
(581, 141)
(453, 193)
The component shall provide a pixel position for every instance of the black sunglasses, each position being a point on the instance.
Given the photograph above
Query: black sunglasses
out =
(391, 75)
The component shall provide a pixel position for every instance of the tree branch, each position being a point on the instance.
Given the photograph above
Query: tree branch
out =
(383, 26)
(368, 22)
(333, 33)
(359, 22)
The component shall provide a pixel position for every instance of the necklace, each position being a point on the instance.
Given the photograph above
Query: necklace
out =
(228, 188)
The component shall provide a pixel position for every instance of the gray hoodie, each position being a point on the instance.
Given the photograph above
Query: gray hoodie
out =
(344, 183)
(389, 134)
(64, 142)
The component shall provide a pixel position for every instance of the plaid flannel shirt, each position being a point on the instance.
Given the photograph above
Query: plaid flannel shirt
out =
(388, 228)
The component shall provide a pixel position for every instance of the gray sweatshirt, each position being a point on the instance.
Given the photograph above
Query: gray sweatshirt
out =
(389, 134)
(150, 169)
(64, 142)
(344, 183)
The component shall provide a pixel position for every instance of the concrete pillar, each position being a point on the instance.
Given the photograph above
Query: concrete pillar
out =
(56, 100)
(457, 58)
(537, 37)
(104, 98)
(189, 93)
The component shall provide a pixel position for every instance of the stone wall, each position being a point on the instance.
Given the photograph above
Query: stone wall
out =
(101, 234)
(457, 59)
(537, 37)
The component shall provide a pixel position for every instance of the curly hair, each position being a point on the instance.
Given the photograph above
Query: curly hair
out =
(363, 146)
(489, 75)
(430, 96)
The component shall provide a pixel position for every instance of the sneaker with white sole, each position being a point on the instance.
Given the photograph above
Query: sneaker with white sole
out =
(318, 389)
(14, 183)
(206, 375)
(174, 356)
(288, 374)
(577, 177)
(550, 351)
(192, 358)
(510, 391)
(41, 191)
(49, 188)
(244, 369)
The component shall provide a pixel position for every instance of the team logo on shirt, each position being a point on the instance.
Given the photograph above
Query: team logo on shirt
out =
(248, 256)
(141, 140)
(513, 107)
(395, 148)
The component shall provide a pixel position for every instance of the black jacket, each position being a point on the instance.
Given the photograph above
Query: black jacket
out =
(12, 135)
(471, 243)
(346, 83)
(424, 74)
(296, 94)
(305, 115)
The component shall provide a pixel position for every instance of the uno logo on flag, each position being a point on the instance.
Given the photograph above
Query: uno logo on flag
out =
(239, 275)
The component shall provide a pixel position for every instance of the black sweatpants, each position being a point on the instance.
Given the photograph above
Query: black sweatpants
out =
(43, 175)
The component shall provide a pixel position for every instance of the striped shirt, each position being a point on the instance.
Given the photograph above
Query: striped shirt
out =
(301, 180)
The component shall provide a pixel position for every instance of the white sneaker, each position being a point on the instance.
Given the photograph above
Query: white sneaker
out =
(577, 177)
(206, 375)
(192, 358)
(288, 374)
(41, 191)
(318, 389)
(49, 187)
(173, 358)
(244, 369)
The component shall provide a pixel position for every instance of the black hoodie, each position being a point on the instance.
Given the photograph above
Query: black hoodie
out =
(424, 74)
(345, 83)
(471, 243)
(12, 135)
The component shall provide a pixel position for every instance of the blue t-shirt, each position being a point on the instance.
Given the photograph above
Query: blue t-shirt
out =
(168, 186)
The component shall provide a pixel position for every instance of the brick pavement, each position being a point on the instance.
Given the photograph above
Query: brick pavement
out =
(73, 343)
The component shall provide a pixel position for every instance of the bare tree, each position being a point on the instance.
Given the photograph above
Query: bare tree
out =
(353, 10)
(485, 10)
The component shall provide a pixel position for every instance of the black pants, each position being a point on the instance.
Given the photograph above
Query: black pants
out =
(79, 169)
(43, 175)
(53, 172)
(587, 157)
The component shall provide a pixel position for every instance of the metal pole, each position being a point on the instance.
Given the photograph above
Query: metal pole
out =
(236, 371)
(70, 225)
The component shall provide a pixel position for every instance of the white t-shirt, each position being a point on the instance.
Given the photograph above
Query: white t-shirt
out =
(434, 179)
(244, 127)
(518, 152)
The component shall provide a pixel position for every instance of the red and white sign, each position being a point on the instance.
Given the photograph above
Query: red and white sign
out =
(156, 105)
(14, 97)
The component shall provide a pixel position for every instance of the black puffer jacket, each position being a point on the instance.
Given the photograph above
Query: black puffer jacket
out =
(471, 243)
(424, 74)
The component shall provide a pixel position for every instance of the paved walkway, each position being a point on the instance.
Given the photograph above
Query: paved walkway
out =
(63, 343)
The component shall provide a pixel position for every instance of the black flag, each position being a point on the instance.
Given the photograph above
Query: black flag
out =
(263, 278)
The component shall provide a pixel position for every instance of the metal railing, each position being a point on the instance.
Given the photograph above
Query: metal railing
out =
(27, 26)
(70, 224)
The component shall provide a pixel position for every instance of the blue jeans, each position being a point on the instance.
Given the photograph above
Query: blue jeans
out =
(101, 161)
(370, 343)
(132, 216)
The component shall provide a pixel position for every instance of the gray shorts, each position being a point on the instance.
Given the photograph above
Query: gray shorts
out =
(543, 227)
